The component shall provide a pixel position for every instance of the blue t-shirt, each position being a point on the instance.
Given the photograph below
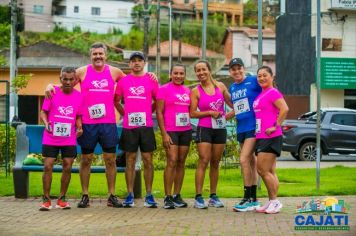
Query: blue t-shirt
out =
(242, 96)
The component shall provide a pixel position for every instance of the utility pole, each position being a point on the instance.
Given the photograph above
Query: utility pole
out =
(146, 18)
(318, 100)
(158, 55)
(260, 33)
(13, 63)
(180, 39)
(205, 19)
(170, 35)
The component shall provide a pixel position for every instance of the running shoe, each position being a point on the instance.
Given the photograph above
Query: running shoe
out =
(199, 203)
(129, 201)
(168, 203)
(178, 201)
(46, 204)
(113, 202)
(150, 201)
(274, 207)
(246, 205)
(262, 209)
(214, 201)
(62, 203)
(84, 202)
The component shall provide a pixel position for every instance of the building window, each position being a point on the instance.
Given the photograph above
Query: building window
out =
(186, 1)
(76, 9)
(38, 9)
(122, 12)
(95, 11)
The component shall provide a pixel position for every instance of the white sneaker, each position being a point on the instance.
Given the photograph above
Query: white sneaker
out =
(274, 207)
(262, 209)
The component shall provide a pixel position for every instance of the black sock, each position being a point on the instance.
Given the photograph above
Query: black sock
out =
(253, 193)
(212, 194)
(198, 195)
(247, 192)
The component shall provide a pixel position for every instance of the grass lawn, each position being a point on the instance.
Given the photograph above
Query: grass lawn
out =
(337, 180)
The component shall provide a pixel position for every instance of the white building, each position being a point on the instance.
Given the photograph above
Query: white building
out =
(100, 16)
(338, 36)
(242, 42)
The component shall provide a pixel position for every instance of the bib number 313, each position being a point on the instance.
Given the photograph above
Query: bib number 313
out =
(97, 111)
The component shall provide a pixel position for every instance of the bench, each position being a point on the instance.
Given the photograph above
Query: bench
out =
(29, 140)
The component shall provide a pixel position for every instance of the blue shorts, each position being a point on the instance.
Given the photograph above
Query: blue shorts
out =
(241, 137)
(104, 134)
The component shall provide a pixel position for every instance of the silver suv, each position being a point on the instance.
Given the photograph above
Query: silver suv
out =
(338, 133)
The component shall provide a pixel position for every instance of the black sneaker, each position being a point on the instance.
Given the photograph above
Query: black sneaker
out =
(168, 203)
(178, 201)
(84, 203)
(114, 202)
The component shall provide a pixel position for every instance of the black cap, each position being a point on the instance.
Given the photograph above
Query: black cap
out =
(137, 54)
(236, 61)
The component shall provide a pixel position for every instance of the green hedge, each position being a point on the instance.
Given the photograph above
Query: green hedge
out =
(3, 144)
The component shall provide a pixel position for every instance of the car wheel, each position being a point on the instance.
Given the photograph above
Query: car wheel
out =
(307, 152)
(295, 155)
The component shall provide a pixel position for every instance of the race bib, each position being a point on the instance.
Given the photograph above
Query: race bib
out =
(182, 119)
(241, 106)
(97, 111)
(219, 123)
(61, 129)
(137, 119)
(258, 126)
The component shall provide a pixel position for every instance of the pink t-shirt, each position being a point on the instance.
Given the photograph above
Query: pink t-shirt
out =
(62, 112)
(176, 106)
(214, 102)
(138, 93)
(98, 92)
(267, 113)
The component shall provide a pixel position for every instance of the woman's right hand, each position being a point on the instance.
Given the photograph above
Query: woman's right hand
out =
(167, 141)
(49, 90)
(215, 114)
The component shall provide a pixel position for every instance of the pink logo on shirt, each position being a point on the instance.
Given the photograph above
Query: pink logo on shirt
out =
(65, 110)
(137, 90)
(183, 97)
(100, 84)
(216, 105)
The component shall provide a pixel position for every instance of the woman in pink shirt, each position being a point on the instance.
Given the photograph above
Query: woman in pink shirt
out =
(172, 109)
(270, 109)
(207, 104)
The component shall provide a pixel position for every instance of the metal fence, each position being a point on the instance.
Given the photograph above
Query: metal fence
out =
(4, 126)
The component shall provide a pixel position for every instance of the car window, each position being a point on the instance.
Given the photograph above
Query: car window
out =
(344, 119)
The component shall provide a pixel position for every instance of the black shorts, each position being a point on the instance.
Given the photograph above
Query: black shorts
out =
(241, 137)
(104, 134)
(53, 151)
(181, 138)
(210, 135)
(269, 145)
(143, 137)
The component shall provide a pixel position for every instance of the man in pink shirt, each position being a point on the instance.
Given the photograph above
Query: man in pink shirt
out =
(138, 92)
(61, 116)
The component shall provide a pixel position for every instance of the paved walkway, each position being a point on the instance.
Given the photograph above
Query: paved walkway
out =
(21, 217)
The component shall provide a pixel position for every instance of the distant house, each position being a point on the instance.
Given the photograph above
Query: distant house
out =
(243, 42)
(101, 16)
(43, 60)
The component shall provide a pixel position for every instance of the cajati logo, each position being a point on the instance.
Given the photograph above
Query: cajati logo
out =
(328, 213)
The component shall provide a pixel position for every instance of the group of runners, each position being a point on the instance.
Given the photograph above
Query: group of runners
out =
(88, 117)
